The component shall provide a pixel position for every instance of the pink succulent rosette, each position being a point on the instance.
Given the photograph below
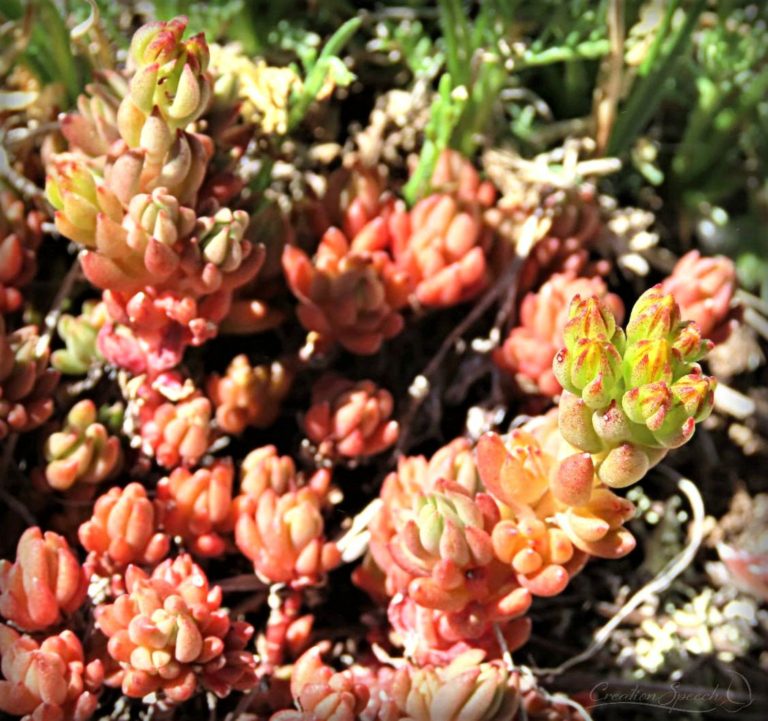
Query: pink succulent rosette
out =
(169, 635)
(350, 419)
(44, 584)
(50, 680)
(703, 287)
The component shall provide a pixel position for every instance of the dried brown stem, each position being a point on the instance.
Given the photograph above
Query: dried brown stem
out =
(421, 386)
(660, 583)
(608, 92)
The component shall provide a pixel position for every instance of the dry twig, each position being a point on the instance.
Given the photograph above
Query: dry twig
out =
(660, 583)
(421, 386)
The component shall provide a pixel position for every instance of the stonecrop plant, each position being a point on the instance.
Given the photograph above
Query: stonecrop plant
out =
(259, 469)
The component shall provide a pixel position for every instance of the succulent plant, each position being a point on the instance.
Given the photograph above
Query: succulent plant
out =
(21, 233)
(249, 395)
(48, 680)
(45, 583)
(429, 636)
(175, 432)
(350, 419)
(150, 238)
(127, 192)
(169, 78)
(415, 475)
(703, 288)
(263, 468)
(445, 254)
(207, 192)
(355, 198)
(80, 334)
(466, 688)
(26, 381)
(348, 295)
(445, 548)
(629, 398)
(152, 329)
(83, 451)
(92, 130)
(530, 348)
(554, 509)
(169, 634)
(124, 529)
(742, 543)
(283, 535)
(198, 506)
(322, 694)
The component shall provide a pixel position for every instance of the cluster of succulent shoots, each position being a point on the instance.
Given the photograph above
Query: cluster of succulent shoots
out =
(630, 397)
(128, 191)
(466, 688)
(384, 257)
(464, 541)
(27, 381)
(188, 473)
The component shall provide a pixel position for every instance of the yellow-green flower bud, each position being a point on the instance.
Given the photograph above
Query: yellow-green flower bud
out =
(628, 399)
(654, 316)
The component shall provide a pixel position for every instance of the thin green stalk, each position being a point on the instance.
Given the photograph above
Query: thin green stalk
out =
(649, 91)
(317, 74)
(446, 111)
(454, 29)
(661, 34)
(705, 142)
(474, 121)
(51, 34)
(588, 50)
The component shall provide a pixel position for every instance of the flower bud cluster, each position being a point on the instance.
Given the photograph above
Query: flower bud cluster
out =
(630, 397)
